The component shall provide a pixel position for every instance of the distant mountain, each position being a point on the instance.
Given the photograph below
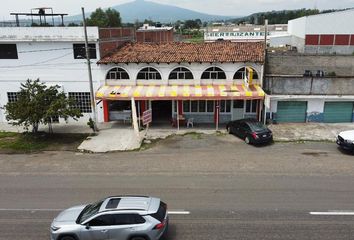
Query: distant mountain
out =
(141, 10)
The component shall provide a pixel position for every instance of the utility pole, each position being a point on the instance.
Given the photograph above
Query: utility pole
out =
(265, 34)
(263, 72)
(92, 94)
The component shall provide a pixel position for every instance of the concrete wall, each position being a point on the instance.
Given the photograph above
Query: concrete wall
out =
(328, 49)
(297, 27)
(315, 108)
(284, 74)
(280, 41)
(45, 34)
(299, 43)
(296, 64)
(290, 85)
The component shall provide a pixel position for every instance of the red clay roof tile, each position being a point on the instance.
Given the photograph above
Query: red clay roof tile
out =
(175, 52)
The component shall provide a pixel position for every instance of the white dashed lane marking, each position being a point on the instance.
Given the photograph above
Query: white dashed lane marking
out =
(334, 213)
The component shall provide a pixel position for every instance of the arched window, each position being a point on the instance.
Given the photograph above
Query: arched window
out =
(214, 73)
(149, 73)
(117, 73)
(240, 74)
(181, 73)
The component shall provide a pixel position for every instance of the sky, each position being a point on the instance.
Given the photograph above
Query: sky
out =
(218, 7)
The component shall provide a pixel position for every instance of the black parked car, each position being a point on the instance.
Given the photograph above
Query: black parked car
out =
(251, 130)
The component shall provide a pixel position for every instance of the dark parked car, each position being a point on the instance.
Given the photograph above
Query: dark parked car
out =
(251, 130)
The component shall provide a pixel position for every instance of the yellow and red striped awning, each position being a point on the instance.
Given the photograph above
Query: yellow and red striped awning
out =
(164, 92)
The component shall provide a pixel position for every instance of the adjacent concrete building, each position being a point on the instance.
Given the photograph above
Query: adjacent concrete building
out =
(329, 33)
(310, 88)
(113, 38)
(55, 55)
(158, 34)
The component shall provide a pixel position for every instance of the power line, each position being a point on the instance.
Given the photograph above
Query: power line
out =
(54, 49)
(44, 50)
(37, 63)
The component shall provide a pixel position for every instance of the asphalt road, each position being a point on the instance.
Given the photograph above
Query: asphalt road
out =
(232, 191)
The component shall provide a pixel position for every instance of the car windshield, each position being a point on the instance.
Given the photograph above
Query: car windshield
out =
(257, 126)
(89, 211)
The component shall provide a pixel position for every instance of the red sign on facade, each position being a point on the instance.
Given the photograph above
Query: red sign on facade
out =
(147, 117)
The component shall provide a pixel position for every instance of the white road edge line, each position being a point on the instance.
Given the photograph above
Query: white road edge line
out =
(334, 213)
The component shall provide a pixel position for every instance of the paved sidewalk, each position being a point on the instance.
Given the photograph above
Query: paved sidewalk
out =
(120, 137)
(111, 137)
(110, 140)
(156, 133)
(308, 131)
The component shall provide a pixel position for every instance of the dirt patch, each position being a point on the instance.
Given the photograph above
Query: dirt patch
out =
(190, 141)
(315, 154)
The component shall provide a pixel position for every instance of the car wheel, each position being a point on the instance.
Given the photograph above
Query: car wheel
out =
(228, 129)
(67, 238)
(247, 140)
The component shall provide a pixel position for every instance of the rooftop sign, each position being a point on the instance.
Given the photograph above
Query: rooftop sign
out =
(250, 35)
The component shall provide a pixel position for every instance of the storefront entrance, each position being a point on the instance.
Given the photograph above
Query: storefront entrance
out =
(238, 109)
(161, 111)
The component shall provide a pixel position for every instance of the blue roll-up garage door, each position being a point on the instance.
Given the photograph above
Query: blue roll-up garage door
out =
(338, 112)
(291, 111)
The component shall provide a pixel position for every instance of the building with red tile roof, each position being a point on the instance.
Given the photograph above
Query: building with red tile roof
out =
(212, 82)
(177, 52)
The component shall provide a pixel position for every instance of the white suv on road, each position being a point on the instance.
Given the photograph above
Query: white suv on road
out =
(119, 217)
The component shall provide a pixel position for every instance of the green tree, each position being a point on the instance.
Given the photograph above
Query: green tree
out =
(150, 22)
(72, 24)
(252, 19)
(278, 17)
(101, 18)
(39, 104)
(192, 24)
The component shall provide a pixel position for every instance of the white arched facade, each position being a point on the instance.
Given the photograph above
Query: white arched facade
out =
(165, 69)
